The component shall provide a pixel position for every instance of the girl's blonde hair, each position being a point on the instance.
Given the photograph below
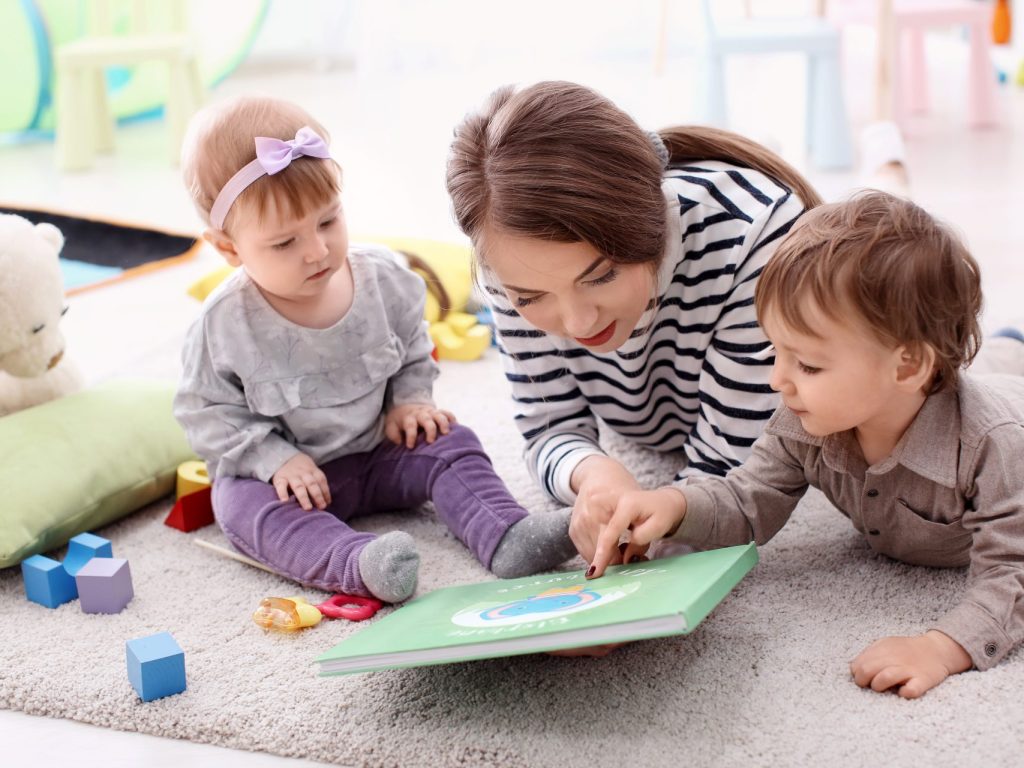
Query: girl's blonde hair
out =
(221, 139)
(558, 161)
(886, 264)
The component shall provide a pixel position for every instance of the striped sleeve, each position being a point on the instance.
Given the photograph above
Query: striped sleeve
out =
(551, 412)
(735, 400)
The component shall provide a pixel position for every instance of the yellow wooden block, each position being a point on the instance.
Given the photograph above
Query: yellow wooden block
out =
(192, 477)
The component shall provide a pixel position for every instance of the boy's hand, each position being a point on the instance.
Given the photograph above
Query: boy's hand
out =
(649, 515)
(911, 665)
(301, 474)
(404, 422)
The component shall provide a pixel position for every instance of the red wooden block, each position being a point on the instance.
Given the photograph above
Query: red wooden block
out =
(191, 512)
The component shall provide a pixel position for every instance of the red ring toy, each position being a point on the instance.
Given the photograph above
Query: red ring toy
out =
(351, 607)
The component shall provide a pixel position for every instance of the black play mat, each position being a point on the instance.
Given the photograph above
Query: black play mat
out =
(97, 252)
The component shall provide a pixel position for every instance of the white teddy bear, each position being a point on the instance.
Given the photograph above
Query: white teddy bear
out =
(33, 369)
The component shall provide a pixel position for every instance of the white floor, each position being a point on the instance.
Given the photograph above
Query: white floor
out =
(391, 122)
(43, 741)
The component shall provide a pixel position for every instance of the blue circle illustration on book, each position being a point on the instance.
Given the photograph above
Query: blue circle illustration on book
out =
(549, 604)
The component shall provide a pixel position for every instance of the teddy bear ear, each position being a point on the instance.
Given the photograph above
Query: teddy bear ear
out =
(50, 234)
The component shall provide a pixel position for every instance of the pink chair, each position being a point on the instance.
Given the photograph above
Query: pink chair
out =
(902, 71)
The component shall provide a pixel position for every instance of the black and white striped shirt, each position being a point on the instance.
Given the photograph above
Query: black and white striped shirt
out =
(690, 377)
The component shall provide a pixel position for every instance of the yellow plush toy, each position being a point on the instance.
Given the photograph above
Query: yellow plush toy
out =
(446, 269)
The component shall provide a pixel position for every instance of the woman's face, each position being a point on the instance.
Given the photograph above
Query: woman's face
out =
(570, 289)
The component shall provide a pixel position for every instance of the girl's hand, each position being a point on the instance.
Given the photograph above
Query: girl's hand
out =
(305, 480)
(599, 481)
(404, 422)
(910, 665)
(649, 515)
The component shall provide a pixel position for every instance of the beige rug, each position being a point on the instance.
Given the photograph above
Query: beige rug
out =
(764, 681)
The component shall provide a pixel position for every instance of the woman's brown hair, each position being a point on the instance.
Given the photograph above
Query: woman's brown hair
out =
(558, 161)
(885, 264)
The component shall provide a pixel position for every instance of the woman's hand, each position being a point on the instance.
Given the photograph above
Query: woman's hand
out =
(597, 651)
(648, 515)
(301, 474)
(599, 481)
(403, 423)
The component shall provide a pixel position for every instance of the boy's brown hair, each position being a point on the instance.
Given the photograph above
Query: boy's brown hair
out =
(889, 265)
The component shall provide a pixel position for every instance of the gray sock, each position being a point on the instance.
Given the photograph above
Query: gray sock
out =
(536, 543)
(389, 565)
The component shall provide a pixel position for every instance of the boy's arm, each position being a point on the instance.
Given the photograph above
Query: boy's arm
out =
(221, 428)
(751, 503)
(989, 620)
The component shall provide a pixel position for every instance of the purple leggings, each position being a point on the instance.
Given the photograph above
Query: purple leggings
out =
(319, 548)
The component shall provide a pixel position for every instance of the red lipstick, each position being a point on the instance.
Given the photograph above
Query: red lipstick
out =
(600, 338)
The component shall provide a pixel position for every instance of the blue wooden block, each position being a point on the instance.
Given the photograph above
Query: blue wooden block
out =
(83, 548)
(46, 581)
(156, 666)
(104, 585)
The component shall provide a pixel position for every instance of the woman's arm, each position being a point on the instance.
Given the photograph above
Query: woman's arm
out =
(735, 398)
(550, 411)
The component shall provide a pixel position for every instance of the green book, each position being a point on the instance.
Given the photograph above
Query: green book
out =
(545, 613)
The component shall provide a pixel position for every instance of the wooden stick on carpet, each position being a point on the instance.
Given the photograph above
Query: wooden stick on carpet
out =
(233, 555)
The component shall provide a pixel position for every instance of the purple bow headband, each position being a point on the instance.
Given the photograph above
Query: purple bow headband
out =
(272, 156)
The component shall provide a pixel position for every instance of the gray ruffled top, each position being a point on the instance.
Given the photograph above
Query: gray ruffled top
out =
(256, 388)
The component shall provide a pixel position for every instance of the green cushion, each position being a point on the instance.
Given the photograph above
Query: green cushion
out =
(84, 460)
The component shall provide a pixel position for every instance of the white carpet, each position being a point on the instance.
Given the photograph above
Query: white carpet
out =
(763, 681)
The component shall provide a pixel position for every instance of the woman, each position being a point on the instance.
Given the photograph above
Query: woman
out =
(620, 266)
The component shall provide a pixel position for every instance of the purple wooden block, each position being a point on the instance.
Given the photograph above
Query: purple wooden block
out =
(104, 585)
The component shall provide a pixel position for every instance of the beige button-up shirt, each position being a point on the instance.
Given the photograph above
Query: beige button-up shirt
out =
(950, 494)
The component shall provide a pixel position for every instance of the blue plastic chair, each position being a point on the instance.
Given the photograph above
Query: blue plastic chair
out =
(828, 129)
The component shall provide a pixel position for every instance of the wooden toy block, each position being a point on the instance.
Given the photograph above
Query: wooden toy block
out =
(105, 585)
(46, 581)
(83, 548)
(192, 476)
(156, 666)
(192, 511)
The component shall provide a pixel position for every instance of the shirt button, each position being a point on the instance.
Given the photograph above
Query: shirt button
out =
(872, 493)
(874, 531)
(990, 649)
